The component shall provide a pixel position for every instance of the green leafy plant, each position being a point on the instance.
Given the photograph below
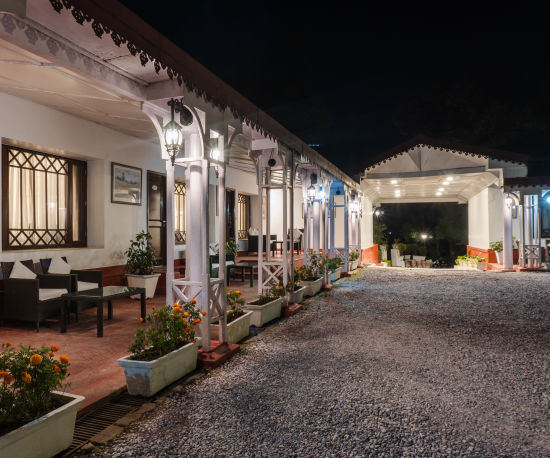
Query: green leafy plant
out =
(469, 259)
(333, 264)
(141, 256)
(496, 246)
(236, 301)
(277, 290)
(315, 268)
(388, 262)
(27, 378)
(402, 247)
(263, 300)
(170, 327)
(353, 255)
(231, 248)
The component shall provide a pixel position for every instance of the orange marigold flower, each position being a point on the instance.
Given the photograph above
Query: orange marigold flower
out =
(8, 378)
(193, 301)
(52, 354)
(64, 359)
(36, 359)
(196, 321)
(26, 377)
(7, 344)
(54, 347)
(237, 292)
(141, 320)
(3, 374)
(203, 313)
(56, 369)
(185, 314)
(153, 307)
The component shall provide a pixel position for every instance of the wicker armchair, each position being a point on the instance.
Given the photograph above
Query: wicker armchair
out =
(33, 299)
(80, 281)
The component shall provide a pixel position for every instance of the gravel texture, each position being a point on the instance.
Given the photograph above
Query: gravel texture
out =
(391, 362)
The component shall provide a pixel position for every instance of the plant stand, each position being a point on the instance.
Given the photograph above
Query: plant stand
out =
(262, 314)
(145, 378)
(46, 436)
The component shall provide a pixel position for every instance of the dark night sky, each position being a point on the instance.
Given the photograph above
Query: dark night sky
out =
(337, 76)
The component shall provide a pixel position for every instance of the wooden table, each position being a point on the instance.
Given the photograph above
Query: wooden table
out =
(243, 266)
(98, 296)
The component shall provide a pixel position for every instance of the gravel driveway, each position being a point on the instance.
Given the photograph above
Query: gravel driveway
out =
(392, 362)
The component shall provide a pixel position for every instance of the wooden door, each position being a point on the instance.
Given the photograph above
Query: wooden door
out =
(156, 214)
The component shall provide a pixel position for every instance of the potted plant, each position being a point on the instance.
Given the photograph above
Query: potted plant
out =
(353, 259)
(238, 321)
(266, 308)
(298, 290)
(140, 264)
(334, 267)
(35, 419)
(312, 274)
(497, 248)
(164, 351)
(468, 262)
(386, 263)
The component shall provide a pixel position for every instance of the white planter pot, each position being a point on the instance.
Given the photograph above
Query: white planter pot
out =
(499, 256)
(299, 295)
(353, 265)
(465, 265)
(336, 274)
(312, 287)
(239, 329)
(262, 314)
(149, 282)
(46, 436)
(146, 378)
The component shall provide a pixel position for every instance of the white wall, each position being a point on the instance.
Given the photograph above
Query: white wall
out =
(367, 224)
(478, 220)
(496, 214)
(110, 226)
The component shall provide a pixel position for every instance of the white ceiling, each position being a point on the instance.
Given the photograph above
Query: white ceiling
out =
(34, 78)
(436, 188)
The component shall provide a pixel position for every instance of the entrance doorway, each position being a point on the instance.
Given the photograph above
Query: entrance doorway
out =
(156, 214)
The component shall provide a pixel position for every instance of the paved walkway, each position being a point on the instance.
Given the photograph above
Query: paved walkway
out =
(394, 362)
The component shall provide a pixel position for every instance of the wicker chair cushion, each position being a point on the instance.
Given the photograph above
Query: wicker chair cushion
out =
(45, 294)
(59, 266)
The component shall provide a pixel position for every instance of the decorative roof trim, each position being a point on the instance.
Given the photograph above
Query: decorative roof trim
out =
(186, 70)
(442, 145)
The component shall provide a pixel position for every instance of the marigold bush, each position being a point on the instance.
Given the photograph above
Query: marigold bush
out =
(168, 328)
(236, 301)
(27, 378)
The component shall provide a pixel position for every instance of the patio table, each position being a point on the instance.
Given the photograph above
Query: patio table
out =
(98, 296)
(243, 266)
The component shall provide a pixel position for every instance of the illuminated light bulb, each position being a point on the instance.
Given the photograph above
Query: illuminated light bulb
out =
(450, 178)
(441, 189)
(393, 181)
(438, 193)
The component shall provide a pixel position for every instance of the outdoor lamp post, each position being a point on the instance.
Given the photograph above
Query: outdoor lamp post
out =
(311, 192)
(173, 135)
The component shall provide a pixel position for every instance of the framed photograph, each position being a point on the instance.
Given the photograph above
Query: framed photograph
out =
(125, 184)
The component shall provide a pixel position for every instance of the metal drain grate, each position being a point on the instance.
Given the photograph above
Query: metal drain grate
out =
(97, 420)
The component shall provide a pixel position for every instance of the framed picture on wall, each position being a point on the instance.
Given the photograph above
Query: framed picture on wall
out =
(125, 184)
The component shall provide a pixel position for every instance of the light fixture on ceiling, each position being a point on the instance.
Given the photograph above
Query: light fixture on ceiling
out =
(441, 189)
(449, 178)
(438, 193)
(393, 181)
(445, 183)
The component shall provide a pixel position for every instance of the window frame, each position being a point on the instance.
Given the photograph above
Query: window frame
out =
(247, 215)
(82, 204)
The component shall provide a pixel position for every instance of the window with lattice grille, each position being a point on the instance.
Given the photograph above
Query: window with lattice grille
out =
(45, 196)
(243, 203)
(179, 216)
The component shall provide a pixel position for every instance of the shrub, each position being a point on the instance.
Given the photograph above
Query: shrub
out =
(263, 300)
(236, 301)
(353, 255)
(278, 290)
(141, 257)
(496, 246)
(27, 378)
(333, 263)
(169, 328)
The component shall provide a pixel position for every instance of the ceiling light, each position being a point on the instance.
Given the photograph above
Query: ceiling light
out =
(445, 183)
(393, 181)
(441, 189)
(438, 193)
(449, 178)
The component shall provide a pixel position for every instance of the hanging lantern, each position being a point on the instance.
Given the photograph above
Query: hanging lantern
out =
(173, 136)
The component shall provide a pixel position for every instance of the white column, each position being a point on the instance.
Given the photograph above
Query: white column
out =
(205, 275)
(316, 245)
(332, 210)
(507, 249)
(221, 244)
(285, 225)
(346, 230)
(259, 173)
(169, 231)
